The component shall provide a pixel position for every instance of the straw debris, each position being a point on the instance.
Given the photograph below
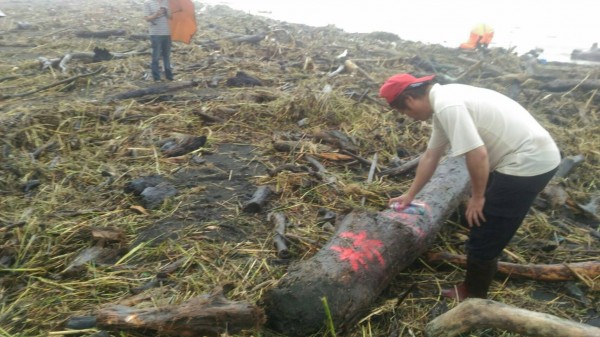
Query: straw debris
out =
(74, 240)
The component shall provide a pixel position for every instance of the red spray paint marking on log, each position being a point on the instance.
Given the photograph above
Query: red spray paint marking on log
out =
(362, 252)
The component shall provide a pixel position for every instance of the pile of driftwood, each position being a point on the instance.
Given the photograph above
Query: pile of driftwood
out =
(266, 166)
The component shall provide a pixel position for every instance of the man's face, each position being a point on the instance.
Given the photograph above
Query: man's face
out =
(417, 108)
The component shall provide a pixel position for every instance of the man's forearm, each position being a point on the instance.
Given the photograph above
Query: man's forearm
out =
(425, 170)
(479, 170)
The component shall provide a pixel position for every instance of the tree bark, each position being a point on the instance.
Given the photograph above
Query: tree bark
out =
(542, 272)
(208, 315)
(366, 252)
(475, 313)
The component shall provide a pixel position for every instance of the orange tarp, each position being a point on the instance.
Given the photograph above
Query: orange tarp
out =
(183, 20)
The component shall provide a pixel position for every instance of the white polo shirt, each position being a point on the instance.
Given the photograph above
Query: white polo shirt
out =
(466, 117)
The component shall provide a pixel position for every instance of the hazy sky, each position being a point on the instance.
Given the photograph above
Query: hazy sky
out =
(525, 23)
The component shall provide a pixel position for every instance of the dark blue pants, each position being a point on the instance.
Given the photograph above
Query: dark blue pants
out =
(507, 201)
(161, 48)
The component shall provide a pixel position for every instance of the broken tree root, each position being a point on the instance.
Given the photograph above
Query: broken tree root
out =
(476, 313)
(542, 272)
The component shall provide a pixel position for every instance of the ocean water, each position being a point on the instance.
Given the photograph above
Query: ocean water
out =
(556, 26)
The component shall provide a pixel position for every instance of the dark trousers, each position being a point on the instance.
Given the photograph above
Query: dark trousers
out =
(507, 201)
(161, 48)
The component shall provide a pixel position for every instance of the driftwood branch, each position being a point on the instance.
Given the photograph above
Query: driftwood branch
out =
(259, 199)
(370, 176)
(337, 139)
(67, 80)
(209, 118)
(320, 171)
(542, 272)
(409, 165)
(568, 164)
(357, 157)
(567, 85)
(554, 193)
(353, 67)
(251, 39)
(279, 240)
(61, 62)
(155, 90)
(477, 313)
(207, 315)
(100, 34)
(299, 146)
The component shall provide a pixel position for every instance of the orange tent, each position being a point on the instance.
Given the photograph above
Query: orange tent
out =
(183, 20)
(481, 35)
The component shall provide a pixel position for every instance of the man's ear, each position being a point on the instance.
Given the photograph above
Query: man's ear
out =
(409, 100)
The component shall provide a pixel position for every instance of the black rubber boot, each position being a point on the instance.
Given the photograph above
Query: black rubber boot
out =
(479, 276)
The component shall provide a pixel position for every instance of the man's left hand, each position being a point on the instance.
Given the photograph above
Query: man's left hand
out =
(474, 213)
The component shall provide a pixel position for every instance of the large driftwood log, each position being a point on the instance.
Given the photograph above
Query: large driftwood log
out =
(477, 313)
(207, 315)
(365, 253)
(542, 272)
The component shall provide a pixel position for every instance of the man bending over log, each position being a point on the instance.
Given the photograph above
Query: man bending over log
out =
(509, 155)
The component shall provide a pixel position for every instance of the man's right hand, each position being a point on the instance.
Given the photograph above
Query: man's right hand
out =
(403, 200)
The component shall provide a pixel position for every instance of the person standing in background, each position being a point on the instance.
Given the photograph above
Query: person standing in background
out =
(157, 14)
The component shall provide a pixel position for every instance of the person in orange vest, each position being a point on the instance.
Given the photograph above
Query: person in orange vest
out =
(480, 38)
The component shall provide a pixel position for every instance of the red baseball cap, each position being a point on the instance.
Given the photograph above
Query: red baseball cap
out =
(396, 85)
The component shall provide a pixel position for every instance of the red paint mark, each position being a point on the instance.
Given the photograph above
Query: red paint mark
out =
(362, 252)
